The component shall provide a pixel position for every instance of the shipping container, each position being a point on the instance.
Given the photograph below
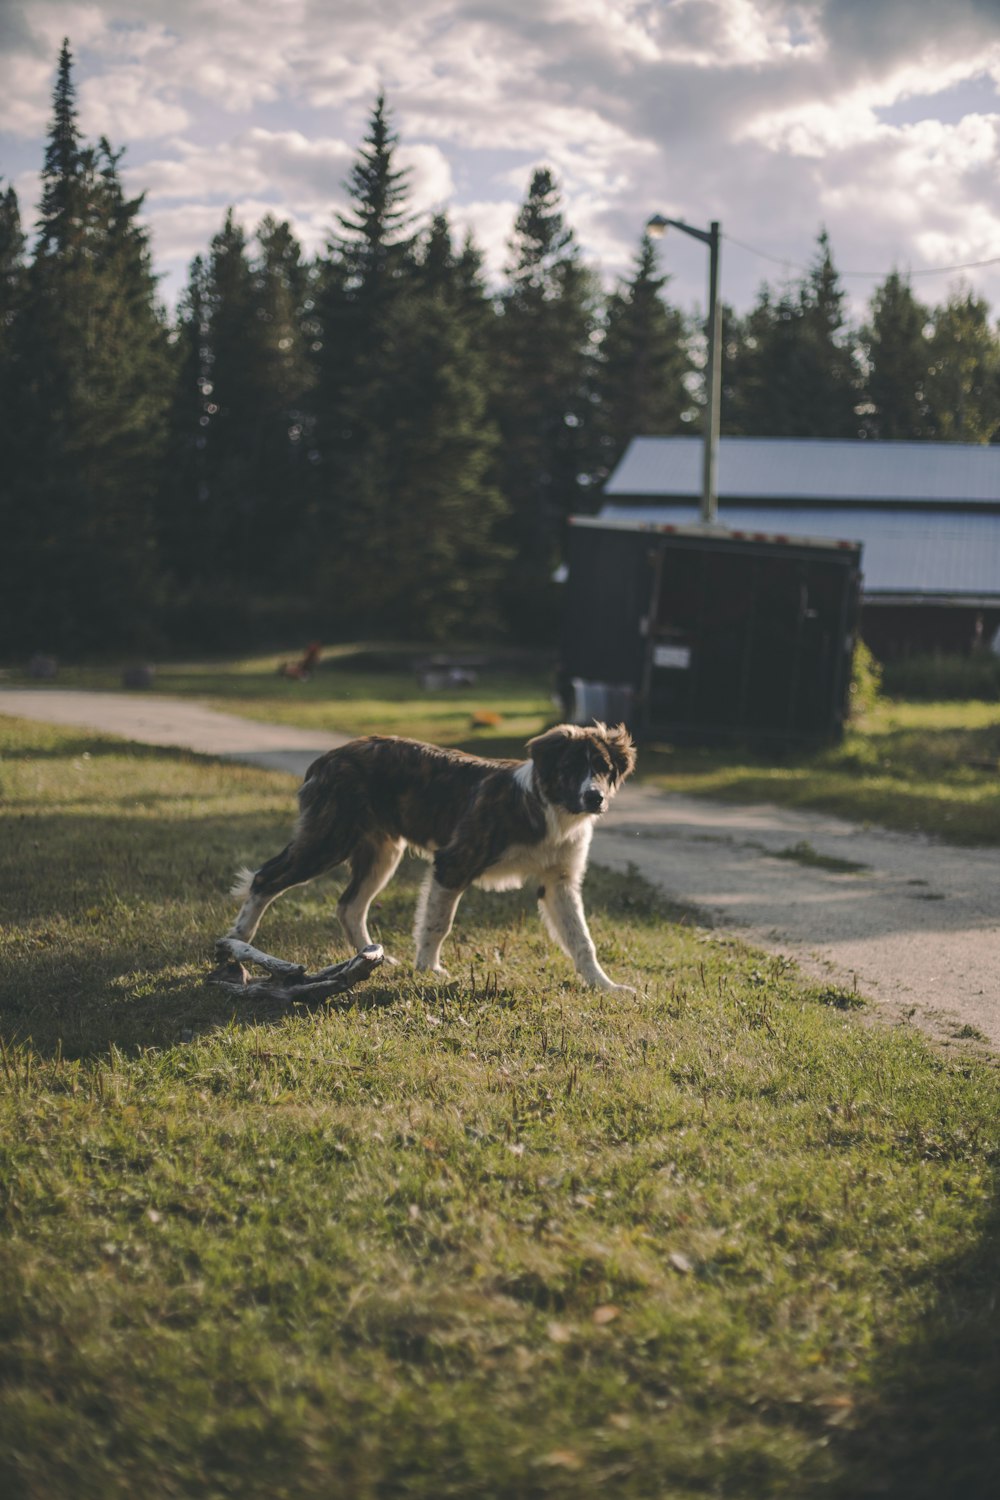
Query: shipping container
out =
(698, 634)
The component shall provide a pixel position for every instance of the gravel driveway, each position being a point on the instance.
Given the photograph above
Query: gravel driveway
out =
(912, 923)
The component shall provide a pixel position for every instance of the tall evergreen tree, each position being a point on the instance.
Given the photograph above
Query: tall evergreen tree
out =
(440, 508)
(236, 357)
(897, 358)
(789, 367)
(744, 374)
(185, 492)
(368, 265)
(644, 362)
(12, 272)
(62, 210)
(546, 397)
(405, 531)
(282, 290)
(827, 363)
(963, 375)
(234, 505)
(12, 243)
(93, 363)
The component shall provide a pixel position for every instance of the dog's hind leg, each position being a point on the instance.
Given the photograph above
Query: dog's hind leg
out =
(373, 865)
(295, 865)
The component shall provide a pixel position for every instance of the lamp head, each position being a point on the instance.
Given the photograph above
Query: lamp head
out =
(656, 227)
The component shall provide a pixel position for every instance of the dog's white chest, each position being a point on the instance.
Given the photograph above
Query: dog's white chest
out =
(564, 850)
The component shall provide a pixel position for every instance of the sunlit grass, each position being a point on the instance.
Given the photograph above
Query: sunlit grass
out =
(496, 1237)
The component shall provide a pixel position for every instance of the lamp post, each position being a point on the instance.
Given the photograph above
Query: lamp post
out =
(657, 226)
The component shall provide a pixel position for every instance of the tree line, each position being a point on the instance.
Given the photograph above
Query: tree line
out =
(375, 441)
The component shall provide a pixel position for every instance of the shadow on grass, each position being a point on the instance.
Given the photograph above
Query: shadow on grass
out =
(931, 1426)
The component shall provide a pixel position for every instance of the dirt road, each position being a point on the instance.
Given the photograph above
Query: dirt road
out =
(914, 925)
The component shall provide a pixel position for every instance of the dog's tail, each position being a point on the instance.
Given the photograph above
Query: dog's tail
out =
(242, 883)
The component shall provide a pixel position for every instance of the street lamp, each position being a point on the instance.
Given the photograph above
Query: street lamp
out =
(656, 227)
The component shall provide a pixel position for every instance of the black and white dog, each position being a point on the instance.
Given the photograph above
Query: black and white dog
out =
(493, 823)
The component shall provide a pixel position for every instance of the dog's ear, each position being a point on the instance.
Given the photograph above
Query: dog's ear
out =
(621, 749)
(546, 748)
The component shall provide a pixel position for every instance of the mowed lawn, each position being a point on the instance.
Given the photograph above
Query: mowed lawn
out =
(495, 1237)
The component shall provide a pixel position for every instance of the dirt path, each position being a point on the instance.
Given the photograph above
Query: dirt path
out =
(914, 926)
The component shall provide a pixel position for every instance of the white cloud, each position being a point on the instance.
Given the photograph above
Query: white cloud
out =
(122, 107)
(431, 183)
(286, 161)
(767, 114)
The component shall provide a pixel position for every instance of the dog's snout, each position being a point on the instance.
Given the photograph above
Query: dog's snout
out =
(593, 799)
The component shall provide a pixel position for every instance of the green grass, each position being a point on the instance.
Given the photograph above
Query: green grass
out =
(499, 1237)
(916, 767)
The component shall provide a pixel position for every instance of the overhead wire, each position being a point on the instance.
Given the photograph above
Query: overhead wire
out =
(792, 265)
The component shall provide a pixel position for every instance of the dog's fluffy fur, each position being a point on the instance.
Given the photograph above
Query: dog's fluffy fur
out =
(494, 823)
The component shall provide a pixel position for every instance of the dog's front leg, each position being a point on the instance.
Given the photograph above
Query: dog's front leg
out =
(435, 914)
(561, 908)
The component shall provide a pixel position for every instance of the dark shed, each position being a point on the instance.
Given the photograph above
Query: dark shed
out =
(695, 633)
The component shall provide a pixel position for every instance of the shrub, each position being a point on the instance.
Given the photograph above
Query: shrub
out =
(866, 681)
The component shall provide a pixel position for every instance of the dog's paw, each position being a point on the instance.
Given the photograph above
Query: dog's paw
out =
(602, 982)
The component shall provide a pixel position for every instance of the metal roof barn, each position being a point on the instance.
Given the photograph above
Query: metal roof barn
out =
(927, 515)
(850, 471)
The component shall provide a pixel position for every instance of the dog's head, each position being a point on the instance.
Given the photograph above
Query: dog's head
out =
(580, 769)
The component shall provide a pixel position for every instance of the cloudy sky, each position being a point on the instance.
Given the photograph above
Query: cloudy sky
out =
(876, 118)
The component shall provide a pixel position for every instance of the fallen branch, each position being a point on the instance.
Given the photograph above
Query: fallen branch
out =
(288, 981)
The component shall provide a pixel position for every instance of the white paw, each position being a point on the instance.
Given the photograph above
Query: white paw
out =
(602, 982)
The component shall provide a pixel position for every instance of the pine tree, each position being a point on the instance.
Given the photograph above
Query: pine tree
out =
(546, 399)
(432, 562)
(963, 376)
(374, 246)
(827, 368)
(12, 243)
(12, 272)
(744, 393)
(62, 208)
(233, 511)
(789, 367)
(286, 434)
(644, 362)
(405, 533)
(185, 492)
(236, 357)
(897, 357)
(367, 268)
(93, 362)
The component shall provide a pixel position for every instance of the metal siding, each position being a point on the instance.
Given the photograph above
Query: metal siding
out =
(813, 469)
(951, 553)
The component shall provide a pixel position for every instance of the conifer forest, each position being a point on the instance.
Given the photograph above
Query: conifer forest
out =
(379, 441)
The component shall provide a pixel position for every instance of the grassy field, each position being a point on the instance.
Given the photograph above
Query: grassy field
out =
(498, 1237)
(928, 767)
